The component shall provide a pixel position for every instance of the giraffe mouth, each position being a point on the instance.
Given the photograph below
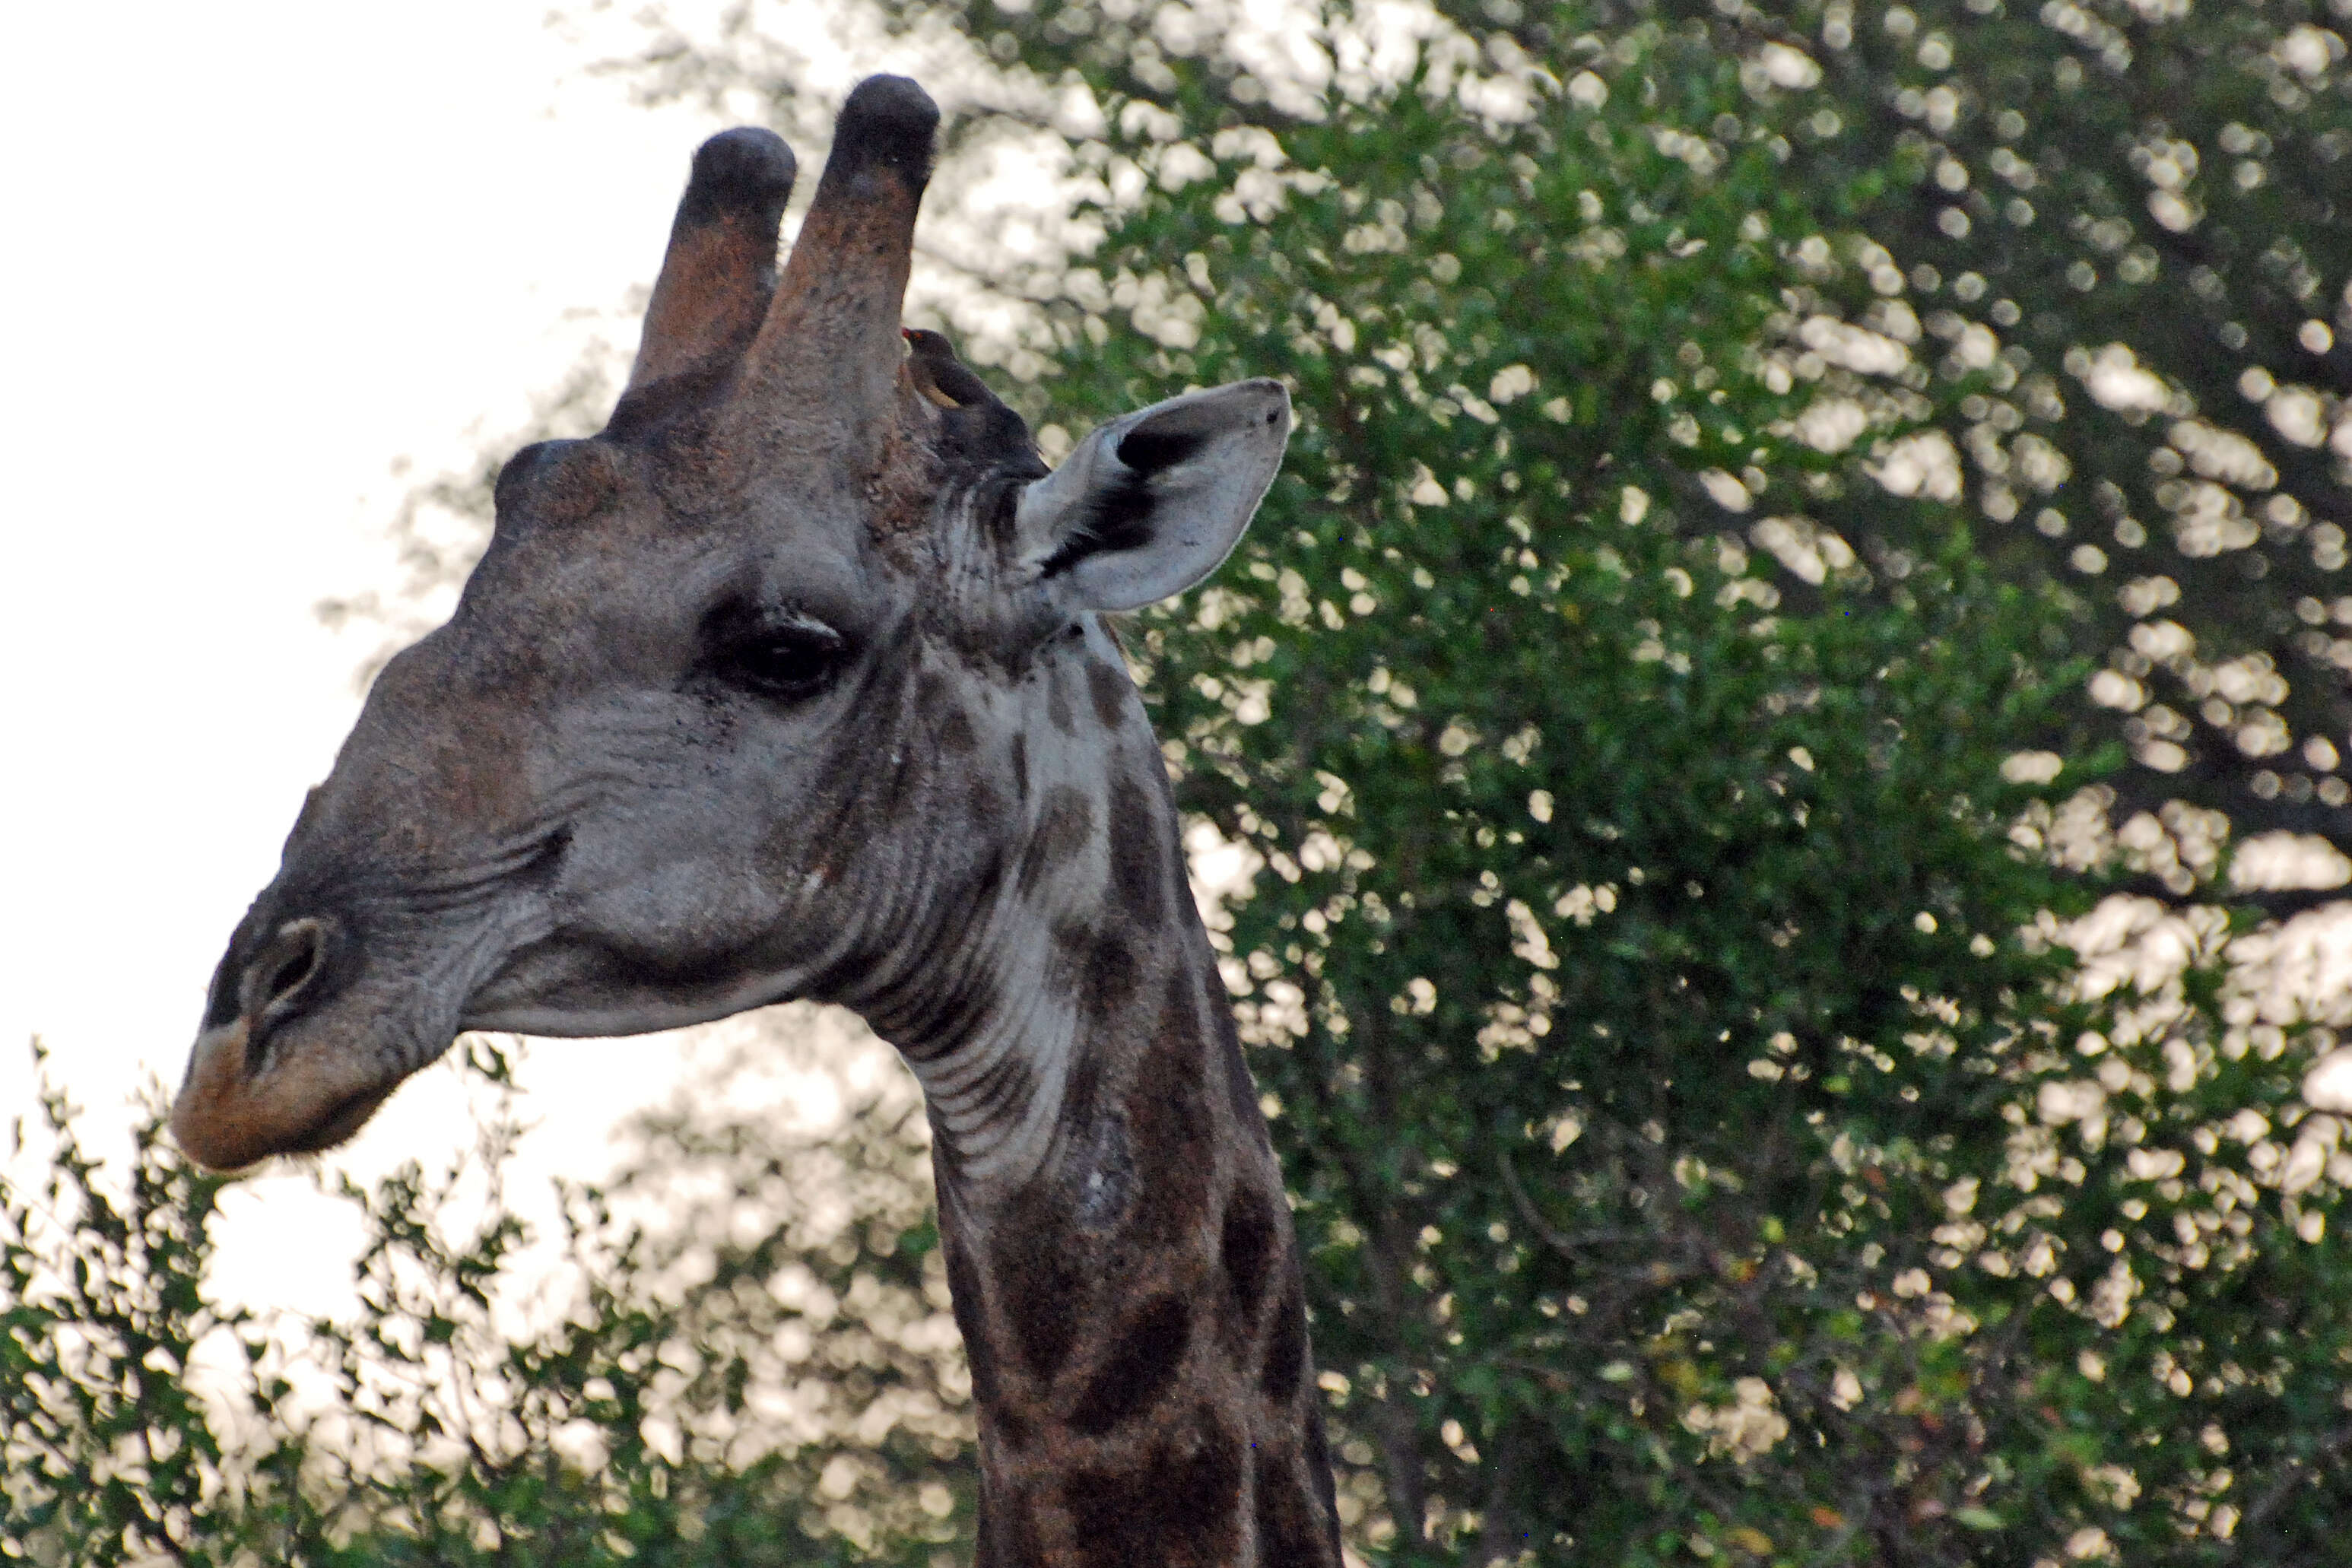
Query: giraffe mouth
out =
(308, 1097)
(342, 1122)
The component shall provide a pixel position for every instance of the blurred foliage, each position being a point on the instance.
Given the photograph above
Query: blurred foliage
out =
(1659, 746)
(764, 1372)
(2124, 215)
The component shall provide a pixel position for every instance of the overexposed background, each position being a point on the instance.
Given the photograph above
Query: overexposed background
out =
(255, 257)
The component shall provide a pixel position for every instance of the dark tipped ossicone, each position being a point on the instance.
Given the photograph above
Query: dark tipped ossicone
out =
(824, 369)
(888, 123)
(721, 267)
(745, 173)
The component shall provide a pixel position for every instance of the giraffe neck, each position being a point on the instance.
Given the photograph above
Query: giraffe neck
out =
(1134, 1313)
(1117, 1242)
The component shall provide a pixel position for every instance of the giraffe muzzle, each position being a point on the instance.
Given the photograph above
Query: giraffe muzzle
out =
(278, 1078)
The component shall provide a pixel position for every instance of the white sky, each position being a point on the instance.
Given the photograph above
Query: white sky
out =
(252, 255)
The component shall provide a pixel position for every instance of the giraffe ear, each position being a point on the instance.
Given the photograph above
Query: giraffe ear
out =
(1150, 503)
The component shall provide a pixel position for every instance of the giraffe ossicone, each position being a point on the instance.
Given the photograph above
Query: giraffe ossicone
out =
(791, 682)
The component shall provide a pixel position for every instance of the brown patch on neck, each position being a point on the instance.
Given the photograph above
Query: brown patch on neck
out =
(1181, 1505)
(1102, 964)
(1168, 1110)
(1285, 1364)
(1290, 1535)
(1066, 826)
(1042, 1281)
(1245, 1249)
(1110, 689)
(1142, 1364)
(1142, 844)
(1008, 1533)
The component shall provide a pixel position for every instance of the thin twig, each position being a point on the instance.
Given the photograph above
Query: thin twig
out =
(1557, 1239)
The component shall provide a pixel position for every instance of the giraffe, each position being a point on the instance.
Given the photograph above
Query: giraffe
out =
(793, 682)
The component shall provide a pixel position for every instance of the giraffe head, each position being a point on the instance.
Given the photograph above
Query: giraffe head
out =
(761, 692)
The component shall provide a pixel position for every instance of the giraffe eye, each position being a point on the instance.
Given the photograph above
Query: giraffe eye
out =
(786, 663)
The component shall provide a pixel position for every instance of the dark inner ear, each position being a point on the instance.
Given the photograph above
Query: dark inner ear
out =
(1117, 516)
(1149, 451)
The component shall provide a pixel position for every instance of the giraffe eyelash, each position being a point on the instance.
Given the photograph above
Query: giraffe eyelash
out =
(787, 656)
(787, 663)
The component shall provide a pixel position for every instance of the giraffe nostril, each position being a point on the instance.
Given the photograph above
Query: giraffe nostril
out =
(290, 973)
(282, 969)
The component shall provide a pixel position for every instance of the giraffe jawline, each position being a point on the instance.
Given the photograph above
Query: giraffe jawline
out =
(584, 990)
(611, 1020)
